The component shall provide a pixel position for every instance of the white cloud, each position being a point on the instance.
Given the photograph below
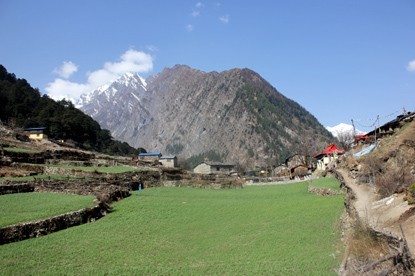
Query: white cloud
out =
(189, 27)
(224, 19)
(195, 13)
(199, 5)
(131, 61)
(66, 69)
(63, 89)
(411, 66)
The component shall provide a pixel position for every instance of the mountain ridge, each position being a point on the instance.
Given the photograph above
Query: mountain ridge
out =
(234, 116)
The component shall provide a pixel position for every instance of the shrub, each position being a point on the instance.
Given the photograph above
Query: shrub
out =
(393, 181)
(365, 246)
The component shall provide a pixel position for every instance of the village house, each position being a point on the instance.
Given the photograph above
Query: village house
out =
(390, 127)
(328, 156)
(213, 168)
(36, 133)
(294, 165)
(281, 171)
(299, 171)
(169, 161)
(149, 156)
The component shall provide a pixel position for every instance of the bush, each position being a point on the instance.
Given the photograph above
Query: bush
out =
(393, 181)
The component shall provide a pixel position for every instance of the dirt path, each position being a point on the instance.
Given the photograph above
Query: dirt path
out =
(383, 215)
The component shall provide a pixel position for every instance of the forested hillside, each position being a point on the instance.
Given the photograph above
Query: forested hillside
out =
(24, 106)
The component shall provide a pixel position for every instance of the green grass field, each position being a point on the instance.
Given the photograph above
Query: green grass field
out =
(267, 230)
(11, 149)
(24, 207)
(328, 183)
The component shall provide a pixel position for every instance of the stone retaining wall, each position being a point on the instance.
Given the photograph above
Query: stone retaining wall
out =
(16, 188)
(35, 229)
(106, 194)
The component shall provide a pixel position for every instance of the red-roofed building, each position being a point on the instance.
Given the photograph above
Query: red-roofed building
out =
(330, 154)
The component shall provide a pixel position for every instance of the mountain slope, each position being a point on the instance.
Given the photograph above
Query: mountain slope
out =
(114, 104)
(234, 116)
(23, 106)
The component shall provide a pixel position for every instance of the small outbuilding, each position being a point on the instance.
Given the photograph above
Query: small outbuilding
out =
(214, 168)
(169, 161)
(36, 133)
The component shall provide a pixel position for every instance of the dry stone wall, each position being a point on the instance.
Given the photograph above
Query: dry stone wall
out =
(16, 188)
(29, 230)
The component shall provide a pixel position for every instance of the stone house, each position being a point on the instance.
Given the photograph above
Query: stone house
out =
(36, 133)
(149, 156)
(169, 161)
(213, 168)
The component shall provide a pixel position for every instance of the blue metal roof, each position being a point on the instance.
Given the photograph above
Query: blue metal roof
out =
(34, 128)
(150, 154)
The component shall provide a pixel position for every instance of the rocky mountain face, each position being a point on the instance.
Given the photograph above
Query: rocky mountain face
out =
(121, 106)
(233, 116)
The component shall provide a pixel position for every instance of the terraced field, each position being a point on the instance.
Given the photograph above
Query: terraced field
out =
(272, 230)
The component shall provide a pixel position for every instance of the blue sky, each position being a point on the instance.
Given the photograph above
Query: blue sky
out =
(341, 60)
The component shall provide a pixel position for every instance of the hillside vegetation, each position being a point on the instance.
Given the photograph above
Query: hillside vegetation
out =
(23, 106)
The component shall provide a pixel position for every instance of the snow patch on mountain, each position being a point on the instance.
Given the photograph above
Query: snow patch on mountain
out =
(131, 81)
(343, 129)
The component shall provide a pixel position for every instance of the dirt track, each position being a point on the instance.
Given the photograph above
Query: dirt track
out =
(383, 215)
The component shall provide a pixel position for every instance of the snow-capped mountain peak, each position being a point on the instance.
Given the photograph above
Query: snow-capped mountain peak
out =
(343, 128)
(127, 82)
(114, 103)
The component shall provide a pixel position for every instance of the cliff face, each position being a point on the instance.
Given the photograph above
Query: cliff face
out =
(233, 116)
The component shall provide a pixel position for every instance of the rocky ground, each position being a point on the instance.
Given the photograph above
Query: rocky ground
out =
(378, 185)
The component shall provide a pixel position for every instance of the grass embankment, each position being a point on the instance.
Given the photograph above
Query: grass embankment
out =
(11, 149)
(274, 230)
(326, 183)
(24, 207)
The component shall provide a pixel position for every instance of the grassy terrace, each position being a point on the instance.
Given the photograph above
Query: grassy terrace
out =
(271, 230)
(11, 149)
(24, 207)
(327, 183)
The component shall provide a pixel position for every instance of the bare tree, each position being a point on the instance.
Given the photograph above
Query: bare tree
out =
(345, 139)
(307, 148)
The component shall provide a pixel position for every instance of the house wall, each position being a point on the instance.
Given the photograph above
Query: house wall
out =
(169, 162)
(300, 171)
(37, 136)
(149, 158)
(220, 169)
(202, 169)
(323, 163)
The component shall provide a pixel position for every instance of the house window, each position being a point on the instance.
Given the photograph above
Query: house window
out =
(217, 169)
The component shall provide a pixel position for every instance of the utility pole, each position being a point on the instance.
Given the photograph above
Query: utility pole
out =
(354, 129)
(376, 128)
